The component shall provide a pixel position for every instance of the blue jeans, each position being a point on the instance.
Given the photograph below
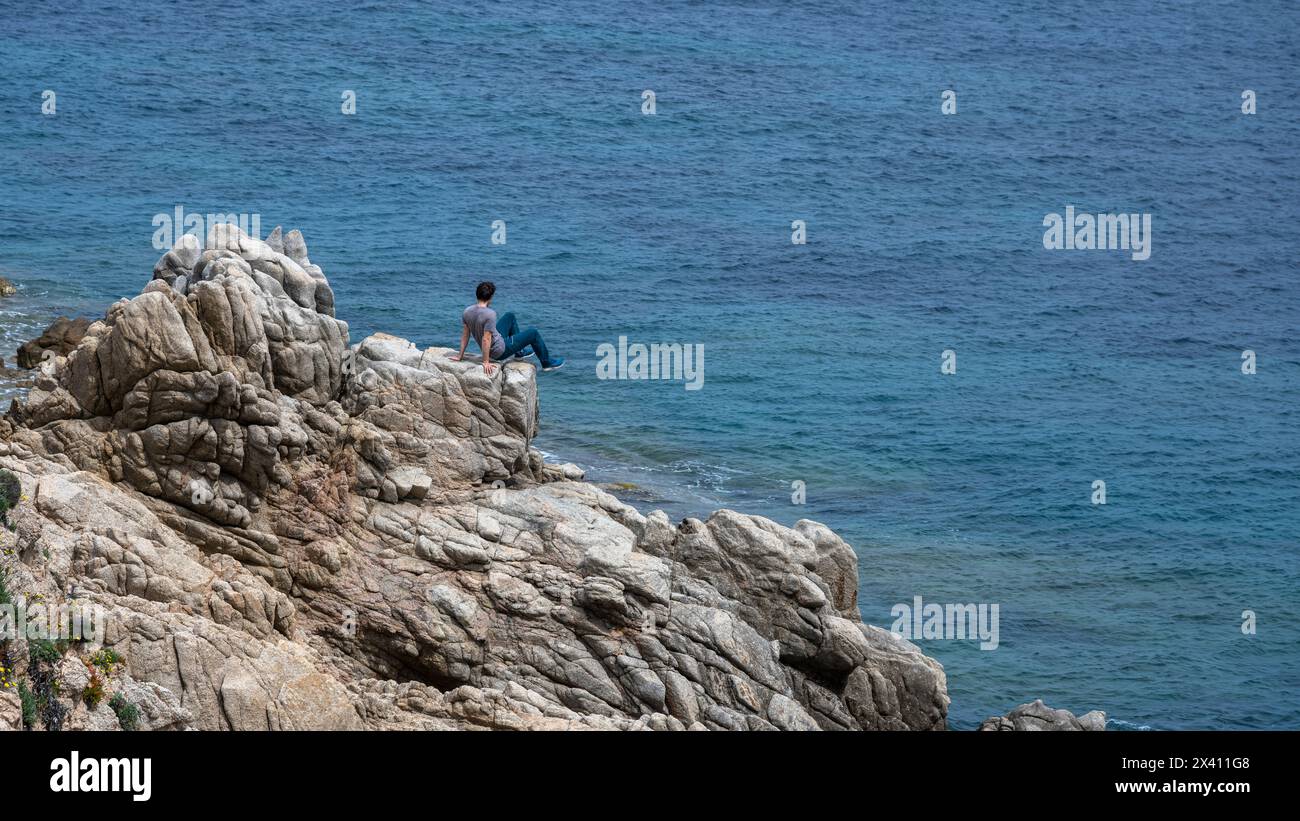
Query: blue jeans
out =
(517, 340)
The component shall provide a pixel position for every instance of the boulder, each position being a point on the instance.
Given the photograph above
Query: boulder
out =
(59, 339)
(11, 710)
(1036, 716)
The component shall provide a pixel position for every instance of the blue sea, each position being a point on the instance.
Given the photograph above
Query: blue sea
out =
(822, 360)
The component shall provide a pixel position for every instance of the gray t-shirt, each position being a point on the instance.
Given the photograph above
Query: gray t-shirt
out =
(479, 319)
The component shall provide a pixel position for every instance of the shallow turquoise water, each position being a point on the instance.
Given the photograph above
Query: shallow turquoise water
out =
(822, 360)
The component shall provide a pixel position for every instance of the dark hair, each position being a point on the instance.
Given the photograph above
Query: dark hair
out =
(484, 291)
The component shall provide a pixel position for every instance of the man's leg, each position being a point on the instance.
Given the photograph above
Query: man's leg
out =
(523, 339)
(506, 325)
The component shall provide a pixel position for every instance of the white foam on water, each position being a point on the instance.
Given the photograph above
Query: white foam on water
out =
(1121, 724)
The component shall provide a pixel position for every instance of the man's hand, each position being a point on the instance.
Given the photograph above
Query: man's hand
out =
(485, 345)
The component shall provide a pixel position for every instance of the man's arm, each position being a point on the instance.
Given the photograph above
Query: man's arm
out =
(486, 345)
(464, 342)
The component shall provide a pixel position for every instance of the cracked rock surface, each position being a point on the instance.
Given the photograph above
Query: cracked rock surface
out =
(290, 531)
(1036, 716)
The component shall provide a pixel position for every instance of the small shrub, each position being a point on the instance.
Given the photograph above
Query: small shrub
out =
(94, 691)
(10, 488)
(5, 596)
(29, 706)
(41, 673)
(43, 650)
(49, 708)
(128, 715)
(107, 660)
(11, 492)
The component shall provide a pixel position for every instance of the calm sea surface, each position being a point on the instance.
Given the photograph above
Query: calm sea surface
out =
(821, 360)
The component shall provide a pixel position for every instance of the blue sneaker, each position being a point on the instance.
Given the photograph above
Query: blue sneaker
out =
(555, 364)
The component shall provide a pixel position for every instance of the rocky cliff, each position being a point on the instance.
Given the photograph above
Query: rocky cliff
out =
(286, 530)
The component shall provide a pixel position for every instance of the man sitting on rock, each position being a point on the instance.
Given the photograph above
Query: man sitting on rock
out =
(500, 339)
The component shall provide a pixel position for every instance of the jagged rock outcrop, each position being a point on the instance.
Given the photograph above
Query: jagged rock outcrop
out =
(59, 339)
(1038, 716)
(7, 288)
(289, 531)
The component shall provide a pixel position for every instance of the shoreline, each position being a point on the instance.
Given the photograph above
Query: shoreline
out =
(177, 413)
